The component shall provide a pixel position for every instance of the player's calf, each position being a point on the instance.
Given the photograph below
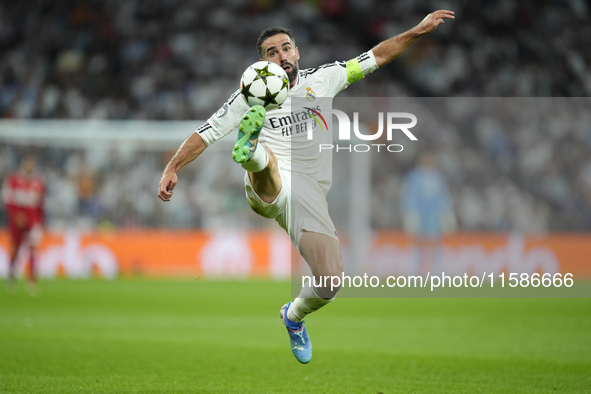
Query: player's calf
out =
(256, 158)
(323, 255)
(267, 183)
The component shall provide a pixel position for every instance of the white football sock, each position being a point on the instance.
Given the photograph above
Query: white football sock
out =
(258, 161)
(307, 302)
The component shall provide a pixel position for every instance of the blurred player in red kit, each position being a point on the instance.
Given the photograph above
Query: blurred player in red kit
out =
(23, 193)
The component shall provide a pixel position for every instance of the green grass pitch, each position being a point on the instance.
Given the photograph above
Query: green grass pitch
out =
(158, 336)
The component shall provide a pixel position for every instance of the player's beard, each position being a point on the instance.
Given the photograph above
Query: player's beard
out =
(292, 75)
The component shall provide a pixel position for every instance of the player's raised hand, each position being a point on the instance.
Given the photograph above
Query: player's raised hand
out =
(433, 20)
(166, 185)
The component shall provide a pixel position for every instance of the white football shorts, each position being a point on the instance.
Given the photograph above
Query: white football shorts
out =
(296, 211)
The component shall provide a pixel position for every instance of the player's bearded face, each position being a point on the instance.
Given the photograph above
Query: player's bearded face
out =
(291, 69)
(280, 50)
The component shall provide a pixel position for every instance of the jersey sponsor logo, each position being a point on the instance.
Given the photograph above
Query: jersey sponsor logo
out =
(315, 114)
(25, 198)
(295, 123)
(310, 95)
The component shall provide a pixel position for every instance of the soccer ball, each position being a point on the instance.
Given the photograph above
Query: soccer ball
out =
(264, 83)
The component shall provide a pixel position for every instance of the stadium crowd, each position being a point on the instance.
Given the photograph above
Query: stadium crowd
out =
(180, 59)
(519, 166)
(512, 164)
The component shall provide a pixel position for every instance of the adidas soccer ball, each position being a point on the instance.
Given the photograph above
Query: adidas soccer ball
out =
(264, 83)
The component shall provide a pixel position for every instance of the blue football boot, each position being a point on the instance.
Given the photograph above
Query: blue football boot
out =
(301, 347)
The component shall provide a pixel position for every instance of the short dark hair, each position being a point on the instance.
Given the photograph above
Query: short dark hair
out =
(270, 32)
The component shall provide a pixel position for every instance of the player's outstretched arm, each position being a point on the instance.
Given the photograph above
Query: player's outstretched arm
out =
(388, 50)
(189, 150)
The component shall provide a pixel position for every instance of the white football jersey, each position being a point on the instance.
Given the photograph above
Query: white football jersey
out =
(282, 125)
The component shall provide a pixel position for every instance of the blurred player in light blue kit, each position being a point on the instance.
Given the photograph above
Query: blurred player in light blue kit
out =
(427, 212)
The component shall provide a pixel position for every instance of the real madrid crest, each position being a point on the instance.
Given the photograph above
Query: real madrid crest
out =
(310, 94)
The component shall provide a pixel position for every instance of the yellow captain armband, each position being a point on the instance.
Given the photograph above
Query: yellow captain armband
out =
(354, 72)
